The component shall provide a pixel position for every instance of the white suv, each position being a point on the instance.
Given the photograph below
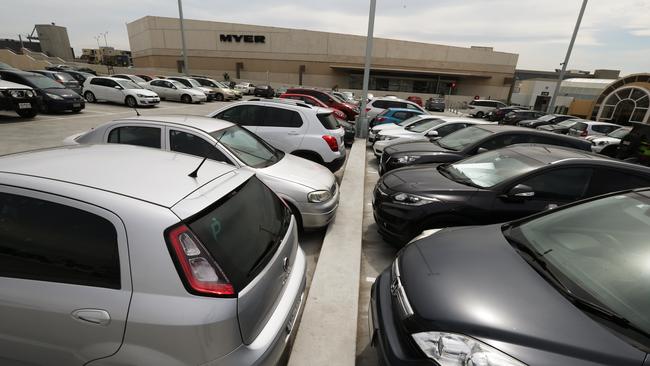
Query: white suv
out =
(378, 105)
(293, 127)
(481, 107)
(118, 90)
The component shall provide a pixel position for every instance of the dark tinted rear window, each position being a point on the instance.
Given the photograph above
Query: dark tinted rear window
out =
(243, 230)
(580, 126)
(328, 121)
(46, 241)
(135, 135)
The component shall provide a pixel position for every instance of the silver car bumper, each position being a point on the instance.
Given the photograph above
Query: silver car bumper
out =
(318, 215)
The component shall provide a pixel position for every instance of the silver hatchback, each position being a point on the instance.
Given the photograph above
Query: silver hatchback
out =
(113, 255)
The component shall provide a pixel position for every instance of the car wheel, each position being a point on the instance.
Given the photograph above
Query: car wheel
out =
(219, 98)
(27, 113)
(186, 99)
(90, 97)
(479, 114)
(131, 102)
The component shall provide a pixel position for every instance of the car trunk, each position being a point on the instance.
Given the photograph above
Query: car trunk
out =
(251, 235)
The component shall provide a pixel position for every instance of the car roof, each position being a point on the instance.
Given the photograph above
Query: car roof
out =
(9, 84)
(299, 105)
(596, 123)
(107, 77)
(146, 174)
(552, 154)
(205, 124)
(402, 110)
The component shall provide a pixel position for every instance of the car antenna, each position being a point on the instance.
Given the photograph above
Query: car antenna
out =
(195, 172)
(136, 111)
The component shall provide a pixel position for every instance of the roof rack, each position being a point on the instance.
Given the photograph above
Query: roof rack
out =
(282, 101)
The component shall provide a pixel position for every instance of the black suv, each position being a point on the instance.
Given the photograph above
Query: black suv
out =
(19, 98)
(468, 142)
(52, 96)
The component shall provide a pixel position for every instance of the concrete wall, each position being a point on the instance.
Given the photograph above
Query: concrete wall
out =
(54, 41)
(23, 62)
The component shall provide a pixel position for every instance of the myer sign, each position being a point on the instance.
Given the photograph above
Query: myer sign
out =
(239, 38)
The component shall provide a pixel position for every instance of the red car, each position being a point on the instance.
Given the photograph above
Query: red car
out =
(315, 102)
(331, 101)
(416, 100)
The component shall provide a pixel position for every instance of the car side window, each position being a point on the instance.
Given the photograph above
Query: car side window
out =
(135, 135)
(607, 180)
(110, 83)
(188, 143)
(46, 241)
(168, 85)
(603, 129)
(243, 115)
(280, 117)
(411, 106)
(500, 141)
(97, 81)
(446, 130)
(322, 97)
(156, 83)
(562, 184)
(401, 115)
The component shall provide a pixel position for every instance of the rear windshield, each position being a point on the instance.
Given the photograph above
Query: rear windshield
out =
(243, 230)
(328, 121)
(580, 126)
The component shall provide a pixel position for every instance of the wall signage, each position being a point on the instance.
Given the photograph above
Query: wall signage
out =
(242, 38)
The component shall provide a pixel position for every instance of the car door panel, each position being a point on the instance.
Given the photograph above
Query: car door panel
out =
(112, 94)
(282, 128)
(189, 142)
(53, 322)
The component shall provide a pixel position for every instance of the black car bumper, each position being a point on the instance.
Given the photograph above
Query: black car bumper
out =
(390, 340)
(396, 223)
(64, 105)
(16, 104)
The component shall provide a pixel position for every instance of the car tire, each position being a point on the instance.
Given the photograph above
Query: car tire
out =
(479, 114)
(90, 97)
(185, 98)
(27, 113)
(130, 102)
(219, 98)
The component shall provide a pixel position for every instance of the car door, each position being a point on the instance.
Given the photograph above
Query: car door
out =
(249, 116)
(65, 279)
(171, 91)
(98, 88)
(113, 91)
(282, 128)
(157, 87)
(187, 142)
(607, 179)
(133, 134)
(550, 187)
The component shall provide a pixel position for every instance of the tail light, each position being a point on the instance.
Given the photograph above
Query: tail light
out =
(583, 133)
(380, 119)
(199, 272)
(331, 142)
(368, 109)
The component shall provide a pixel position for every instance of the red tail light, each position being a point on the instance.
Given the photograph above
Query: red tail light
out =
(583, 133)
(368, 109)
(380, 119)
(331, 142)
(200, 274)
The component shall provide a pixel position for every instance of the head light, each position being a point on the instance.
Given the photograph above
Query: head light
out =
(449, 349)
(29, 93)
(602, 143)
(407, 159)
(412, 199)
(319, 196)
(54, 96)
(386, 138)
(141, 95)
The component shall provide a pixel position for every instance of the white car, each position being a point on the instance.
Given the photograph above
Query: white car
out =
(422, 130)
(191, 83)
(174, 90)
(222, 91)
(372, 134)
(246, 88)
(110, 89)
(310, 189)
(136, 79)
(592, 128)
(608, 145)
(294, 127)
(480, 107)
(378, 105)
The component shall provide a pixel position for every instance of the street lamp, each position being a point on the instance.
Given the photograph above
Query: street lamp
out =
(362, 120)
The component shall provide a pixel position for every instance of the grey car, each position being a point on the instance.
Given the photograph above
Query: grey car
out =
(308, 188)
(113, 255)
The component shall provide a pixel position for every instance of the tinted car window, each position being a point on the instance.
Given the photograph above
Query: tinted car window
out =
(157, 83)
(98, 81)
(328, 121)
(446, 130)
(395, 104)
(244, 115)
(380, 104)
(499, 141)
(401, 115)
(46, 241)
(563, 184)
(135, 135)
(194, 145)
(243, 231)
(604, 128)
(411, 106)
(280, 117)
(609, 180)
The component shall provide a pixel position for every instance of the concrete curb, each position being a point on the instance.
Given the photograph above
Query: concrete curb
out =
(328, 329)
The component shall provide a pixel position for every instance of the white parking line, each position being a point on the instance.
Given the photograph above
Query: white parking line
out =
(370, 279)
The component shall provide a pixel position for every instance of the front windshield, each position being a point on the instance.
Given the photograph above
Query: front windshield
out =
(619, 133)
(491, 168)
(247, 147)
(222, 85)
(137, 79)
(463, 138)
(568, 123)
(408, 121)
(547, 117)
(337, 98)
(178, 84)
(194, 83)
(65, 77)
(128, 84)
(599, 249)
(424, 125)
(43, 82)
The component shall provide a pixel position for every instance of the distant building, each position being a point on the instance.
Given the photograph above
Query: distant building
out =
(106, 56)
(54, 41)
(624, 101)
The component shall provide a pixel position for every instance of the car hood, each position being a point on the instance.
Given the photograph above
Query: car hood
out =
(472, 281)
(422, 180)
(598, 139)
(301, 171)
(400, 132)
(427, 148)
(9, 85)
(387, 126)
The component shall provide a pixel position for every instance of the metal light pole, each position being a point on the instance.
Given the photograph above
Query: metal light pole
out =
(551, 105)
(362, 120)
(186, 67)
(105, 41)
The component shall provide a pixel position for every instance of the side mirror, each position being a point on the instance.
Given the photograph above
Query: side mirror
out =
(432, 133)
(118, 87)
(481, 150)
(521, 191)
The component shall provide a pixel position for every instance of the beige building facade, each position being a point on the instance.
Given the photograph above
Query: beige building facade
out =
(291, 57)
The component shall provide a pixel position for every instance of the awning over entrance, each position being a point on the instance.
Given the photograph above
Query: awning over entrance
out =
(412, 72)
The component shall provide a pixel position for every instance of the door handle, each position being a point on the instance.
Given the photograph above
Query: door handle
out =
(94, 316)
(293, 133)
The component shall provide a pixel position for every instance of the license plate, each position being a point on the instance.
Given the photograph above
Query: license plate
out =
(76, 105)
(24, 105)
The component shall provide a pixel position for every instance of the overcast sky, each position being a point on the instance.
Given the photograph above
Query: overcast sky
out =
(615, 34)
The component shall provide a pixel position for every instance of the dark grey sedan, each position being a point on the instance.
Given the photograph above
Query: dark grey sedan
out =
(566, 287)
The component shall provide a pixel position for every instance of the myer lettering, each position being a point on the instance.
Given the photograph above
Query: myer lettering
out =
(246, 38)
